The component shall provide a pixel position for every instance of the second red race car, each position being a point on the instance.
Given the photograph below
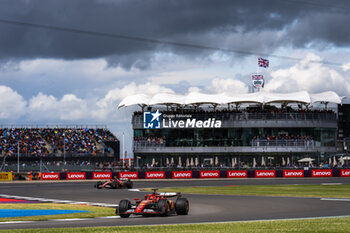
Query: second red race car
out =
(154, 204)
(115, 184)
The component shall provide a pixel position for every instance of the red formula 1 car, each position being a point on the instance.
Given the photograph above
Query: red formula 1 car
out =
(115, 184)
(154, 204)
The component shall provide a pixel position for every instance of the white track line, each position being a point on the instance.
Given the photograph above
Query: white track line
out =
(193, 223)
(331, 183)
(335, 199)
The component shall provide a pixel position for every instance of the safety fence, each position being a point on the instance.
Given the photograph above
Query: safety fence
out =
(335, 172)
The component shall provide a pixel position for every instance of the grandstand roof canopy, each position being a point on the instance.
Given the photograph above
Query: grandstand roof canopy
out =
(194, 98)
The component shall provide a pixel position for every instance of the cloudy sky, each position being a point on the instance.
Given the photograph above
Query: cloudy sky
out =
(72, 61)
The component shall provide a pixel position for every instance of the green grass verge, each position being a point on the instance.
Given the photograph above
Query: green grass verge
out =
(315, 225)
(336, 191)
(95, 211)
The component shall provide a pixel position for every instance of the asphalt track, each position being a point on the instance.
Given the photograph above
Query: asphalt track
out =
(203, 208)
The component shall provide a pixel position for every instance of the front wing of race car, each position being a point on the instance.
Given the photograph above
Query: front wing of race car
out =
(143, 212)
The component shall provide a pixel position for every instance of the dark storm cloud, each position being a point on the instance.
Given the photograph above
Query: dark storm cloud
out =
(202, 22)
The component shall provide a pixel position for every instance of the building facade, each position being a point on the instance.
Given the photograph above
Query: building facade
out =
(249, 137)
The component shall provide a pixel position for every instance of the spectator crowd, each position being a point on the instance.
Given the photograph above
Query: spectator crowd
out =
(34, 142)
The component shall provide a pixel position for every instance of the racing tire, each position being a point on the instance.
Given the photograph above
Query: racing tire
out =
(114, 185)
(182, 206)
(129, 184)
(98, 185)
(124, 205)
(163, 207)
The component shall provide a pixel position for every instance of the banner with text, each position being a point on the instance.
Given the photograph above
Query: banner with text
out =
(265, 173)
(322, 173)
(76, 176)
(101, 175)
(293, 173)
(182, 174)
(209, 174)
(345, 172)
(50, 176)
(237, 174)
(155, 175)
(5, 176)
(129, 175)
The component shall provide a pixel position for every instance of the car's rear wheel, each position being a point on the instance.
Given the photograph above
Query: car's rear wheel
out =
(182, 206)
(129, 184)
(114, 185)
(124, 205)
(163, 207)
(98, 185)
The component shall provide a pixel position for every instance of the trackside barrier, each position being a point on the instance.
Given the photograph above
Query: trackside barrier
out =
(155, 175)
(205, 174)
(129, 175)
(209, 174)
(50, 176)
(6, 176)
(322, 173)
(182, 174)
(345, 172)
(293, 173)
(101, 175)
(265, 173)
(76, 176)
(237, 174)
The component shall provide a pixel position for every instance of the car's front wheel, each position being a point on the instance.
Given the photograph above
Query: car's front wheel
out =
(163, 207)
(124, 205)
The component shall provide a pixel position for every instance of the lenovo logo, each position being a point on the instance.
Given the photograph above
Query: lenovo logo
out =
(265, 174)
(345, 172)
(76, 176)
(50, 176)
(103, 175)
(130, 175)
(321, 173)
(155, 175)
(182, 174)
(293, 173)
(238, 174)
(209, 174)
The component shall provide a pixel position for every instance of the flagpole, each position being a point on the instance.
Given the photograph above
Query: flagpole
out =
(123, 151)
(18, 157)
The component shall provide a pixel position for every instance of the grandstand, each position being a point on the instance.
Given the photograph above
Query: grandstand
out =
(243, 131)
(58, 147)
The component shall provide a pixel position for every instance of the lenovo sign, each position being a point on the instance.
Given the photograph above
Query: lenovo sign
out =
(182, 175)
(345, 172)
(155, 175)
(129, 175)
(209, 174)
(322, 173)
(265, 173)
(237, 174)
(293, 173)
(76, 176)
(101, 175)
(50, 176)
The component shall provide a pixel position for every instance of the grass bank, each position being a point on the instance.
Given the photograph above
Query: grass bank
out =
(335, 191)
(315, 225)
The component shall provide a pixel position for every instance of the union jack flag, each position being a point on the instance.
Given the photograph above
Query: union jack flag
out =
(263, 62)
(258, 80)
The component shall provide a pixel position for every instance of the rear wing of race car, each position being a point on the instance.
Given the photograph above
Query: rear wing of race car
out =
(168, 194)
